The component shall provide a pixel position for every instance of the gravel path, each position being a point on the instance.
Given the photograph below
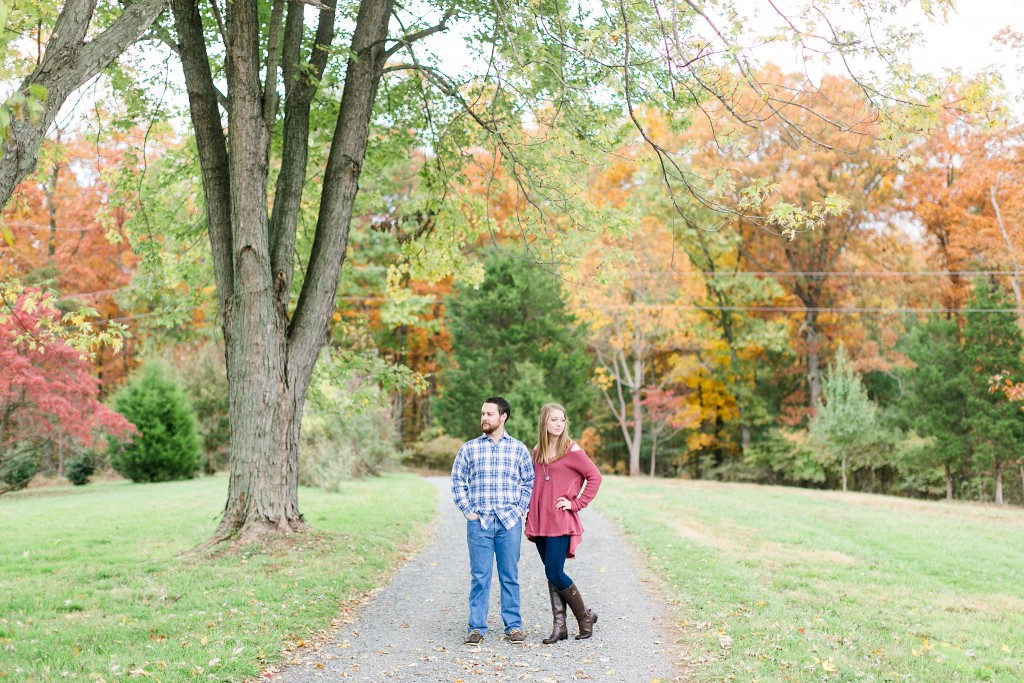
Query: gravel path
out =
(412, 629)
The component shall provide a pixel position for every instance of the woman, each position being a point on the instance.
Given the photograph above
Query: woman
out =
(565, 482)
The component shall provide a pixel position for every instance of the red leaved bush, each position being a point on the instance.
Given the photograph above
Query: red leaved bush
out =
(47, 388)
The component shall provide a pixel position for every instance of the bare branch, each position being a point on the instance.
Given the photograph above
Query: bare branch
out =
(164, 36)
(419, 35)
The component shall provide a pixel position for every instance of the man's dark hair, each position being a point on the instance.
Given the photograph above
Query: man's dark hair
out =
(503, 406)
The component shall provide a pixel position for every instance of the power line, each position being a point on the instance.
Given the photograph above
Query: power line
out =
(828, 273)
(751, 309)
(847, 309)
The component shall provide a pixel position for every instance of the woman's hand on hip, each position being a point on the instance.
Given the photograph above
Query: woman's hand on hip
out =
(563, 503)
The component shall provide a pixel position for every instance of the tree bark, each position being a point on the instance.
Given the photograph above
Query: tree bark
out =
(1010, 251)
(70, 61)
(270, 356)
(999, 483)
(654, 448)
(638, 419)
(949, 484)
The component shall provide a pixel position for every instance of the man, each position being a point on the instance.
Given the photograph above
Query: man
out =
(491, 480)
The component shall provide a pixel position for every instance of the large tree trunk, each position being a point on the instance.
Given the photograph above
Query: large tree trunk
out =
(270, 357)
(71, 60)
(949, 483)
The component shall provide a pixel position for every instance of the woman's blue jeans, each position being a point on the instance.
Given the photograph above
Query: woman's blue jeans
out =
(552, 551)
(495, 544)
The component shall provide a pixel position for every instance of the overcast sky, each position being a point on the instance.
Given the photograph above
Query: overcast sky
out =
(964, 42)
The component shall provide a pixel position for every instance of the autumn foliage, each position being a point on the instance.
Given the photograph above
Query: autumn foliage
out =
(48, 391)
(65, 229)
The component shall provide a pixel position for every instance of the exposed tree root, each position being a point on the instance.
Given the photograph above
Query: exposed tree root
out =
(227, 539)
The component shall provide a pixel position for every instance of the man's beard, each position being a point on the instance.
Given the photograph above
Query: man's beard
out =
(488, 428)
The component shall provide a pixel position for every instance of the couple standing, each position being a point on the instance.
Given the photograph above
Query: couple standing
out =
(497, 484)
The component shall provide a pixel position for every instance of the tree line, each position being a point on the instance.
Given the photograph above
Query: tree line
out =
(863, 355)
(313, 134)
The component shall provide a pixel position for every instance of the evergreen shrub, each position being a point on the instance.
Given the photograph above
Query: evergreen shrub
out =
(17, 471)
(79, 469)
(166, 446)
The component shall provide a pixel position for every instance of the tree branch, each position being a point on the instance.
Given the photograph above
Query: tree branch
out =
(211, 141)
(300, 87)
(68, 64)
(306, 332)
(164, 36)
(270, 98)
(418, 35)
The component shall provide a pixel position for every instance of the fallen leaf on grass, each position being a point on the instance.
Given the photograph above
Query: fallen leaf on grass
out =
(826, 665)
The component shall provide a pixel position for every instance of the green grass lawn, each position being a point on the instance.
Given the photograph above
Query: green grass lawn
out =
(93, 585)
(775, 584)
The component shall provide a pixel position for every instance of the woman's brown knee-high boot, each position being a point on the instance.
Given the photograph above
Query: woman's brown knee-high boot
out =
(558, 629)
(584, 617)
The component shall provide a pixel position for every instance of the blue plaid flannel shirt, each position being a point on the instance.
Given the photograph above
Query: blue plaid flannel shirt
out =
(491, 478)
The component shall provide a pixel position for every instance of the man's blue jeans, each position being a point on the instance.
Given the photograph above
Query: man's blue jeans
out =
(485, 546)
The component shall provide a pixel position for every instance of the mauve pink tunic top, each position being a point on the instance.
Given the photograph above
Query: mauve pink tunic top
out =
(565, 480)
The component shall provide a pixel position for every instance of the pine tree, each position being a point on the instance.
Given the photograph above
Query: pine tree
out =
(167, 446)
(516, 317)
(992, 346)
(934, 401)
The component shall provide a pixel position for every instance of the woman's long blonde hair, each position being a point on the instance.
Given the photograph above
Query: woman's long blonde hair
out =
(549, 448)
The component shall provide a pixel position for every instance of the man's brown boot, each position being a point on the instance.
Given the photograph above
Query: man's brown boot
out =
(558, 629)
(584, 617)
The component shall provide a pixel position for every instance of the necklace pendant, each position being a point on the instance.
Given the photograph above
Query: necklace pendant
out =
(547, 477)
